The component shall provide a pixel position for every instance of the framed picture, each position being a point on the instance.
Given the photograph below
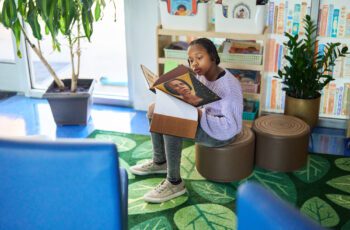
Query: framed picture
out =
(242, 11)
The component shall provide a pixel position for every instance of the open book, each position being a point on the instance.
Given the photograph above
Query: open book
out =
(178, 93)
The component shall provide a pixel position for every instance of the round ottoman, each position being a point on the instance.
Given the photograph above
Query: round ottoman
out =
(231, 162)
(281, 142)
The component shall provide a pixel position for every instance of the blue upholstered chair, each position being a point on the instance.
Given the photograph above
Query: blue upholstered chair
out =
(62, 184)
(258, 208)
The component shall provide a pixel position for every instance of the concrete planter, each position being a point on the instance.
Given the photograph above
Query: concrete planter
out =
(71, 108)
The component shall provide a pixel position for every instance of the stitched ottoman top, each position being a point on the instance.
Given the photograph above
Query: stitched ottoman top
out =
(281, 126)
(246, 135)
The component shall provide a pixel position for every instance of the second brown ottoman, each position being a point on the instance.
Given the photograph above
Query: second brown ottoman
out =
(281, 142)
(228, 163)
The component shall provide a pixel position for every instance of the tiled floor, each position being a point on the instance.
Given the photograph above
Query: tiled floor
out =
(21, 116)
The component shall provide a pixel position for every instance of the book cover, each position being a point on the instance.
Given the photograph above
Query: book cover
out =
(182, 7)
(182, 84)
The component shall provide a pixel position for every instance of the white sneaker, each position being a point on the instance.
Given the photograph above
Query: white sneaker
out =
(147, 168)
(165, 191)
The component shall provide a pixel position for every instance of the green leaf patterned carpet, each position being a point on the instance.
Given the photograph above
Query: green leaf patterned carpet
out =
(320, 190)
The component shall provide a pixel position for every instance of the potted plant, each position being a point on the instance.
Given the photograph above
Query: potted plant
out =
(308, 72)
(74, 20)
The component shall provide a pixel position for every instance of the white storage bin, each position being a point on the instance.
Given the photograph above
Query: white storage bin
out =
(253, 25)
(198, 22)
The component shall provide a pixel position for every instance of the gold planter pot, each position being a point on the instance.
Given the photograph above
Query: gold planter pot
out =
(305, 109)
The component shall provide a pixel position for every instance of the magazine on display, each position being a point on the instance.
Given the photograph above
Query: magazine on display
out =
(178, 94)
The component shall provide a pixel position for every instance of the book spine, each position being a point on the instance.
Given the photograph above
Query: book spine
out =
(330, 20)
(271, 16)
(335, 22)
(302, 16)
(342, 21)
(280, 18)
(347, 25)
(275, 19)
(340, 99)
(296, 19)
(324, 19)
(289, 24)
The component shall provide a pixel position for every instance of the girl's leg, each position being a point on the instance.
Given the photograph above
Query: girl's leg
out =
(173, 147)
(158, 148)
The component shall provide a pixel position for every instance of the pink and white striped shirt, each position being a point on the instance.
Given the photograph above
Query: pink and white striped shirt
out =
(222, 119)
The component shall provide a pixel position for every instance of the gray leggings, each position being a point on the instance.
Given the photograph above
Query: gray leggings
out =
(168, 148)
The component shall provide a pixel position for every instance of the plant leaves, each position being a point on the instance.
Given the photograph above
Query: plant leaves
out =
(320, 211)
(205, 216)
(124, 144)
(160, 223)
(314, 170)
(33, 21)
(188, 167)
(279, 183)
(143, 151)
(342, 200)
(125, 165)
(342, 183)
(343, 163)
(219, 193)
(87, 18)
(136, 203)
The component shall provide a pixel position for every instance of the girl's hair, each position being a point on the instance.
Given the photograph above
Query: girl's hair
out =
(209, 46)
(171, 90)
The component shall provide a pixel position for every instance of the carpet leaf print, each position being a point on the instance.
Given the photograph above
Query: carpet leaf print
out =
(205, 216)
(314, 170)
(342, 183)
(159, 223)
(320, 211)
(125, 165)
(144, 150)
(342, 200)
(214, 192)
(343, 163)
(188, 166)
(346, 226)
(124, 144)
(136, 203)
(279, 183)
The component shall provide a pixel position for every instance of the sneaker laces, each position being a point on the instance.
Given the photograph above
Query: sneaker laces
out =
(147, 165)
(161, 187)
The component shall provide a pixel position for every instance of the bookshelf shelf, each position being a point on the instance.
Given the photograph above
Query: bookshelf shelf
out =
(167, 36)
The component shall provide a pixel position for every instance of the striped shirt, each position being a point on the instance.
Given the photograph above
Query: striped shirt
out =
(223, 119)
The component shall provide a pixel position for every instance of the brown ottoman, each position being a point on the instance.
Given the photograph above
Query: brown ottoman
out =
(230, 162)
(281, 142)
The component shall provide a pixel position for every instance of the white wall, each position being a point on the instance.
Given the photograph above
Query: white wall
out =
(141, 20)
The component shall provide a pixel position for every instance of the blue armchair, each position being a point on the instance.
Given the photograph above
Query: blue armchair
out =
(62, 184)
(258, 208)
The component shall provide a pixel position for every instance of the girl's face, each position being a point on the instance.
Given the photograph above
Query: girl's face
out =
(199, 59)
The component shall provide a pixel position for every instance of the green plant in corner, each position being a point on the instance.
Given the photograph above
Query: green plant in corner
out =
(65, 17)
(308, 70)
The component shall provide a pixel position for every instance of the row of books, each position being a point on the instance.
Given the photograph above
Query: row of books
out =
(275, 59)
(335, 99)
(334, 18)
(287, 16)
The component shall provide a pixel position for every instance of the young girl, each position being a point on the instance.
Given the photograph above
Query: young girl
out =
(219, 122)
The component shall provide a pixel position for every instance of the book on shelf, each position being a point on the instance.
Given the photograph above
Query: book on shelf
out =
(231, 46)
(178, 93)
(182, 7)
(334, 20)
(287, 16)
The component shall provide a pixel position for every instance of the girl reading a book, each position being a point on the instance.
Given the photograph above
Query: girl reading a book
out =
(219, 122)
(180, 88)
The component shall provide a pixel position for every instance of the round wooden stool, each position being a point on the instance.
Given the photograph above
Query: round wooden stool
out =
(281, 142)
(231, 162)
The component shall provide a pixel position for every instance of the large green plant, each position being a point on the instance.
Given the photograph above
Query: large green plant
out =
(64, 17)
(308, 70)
